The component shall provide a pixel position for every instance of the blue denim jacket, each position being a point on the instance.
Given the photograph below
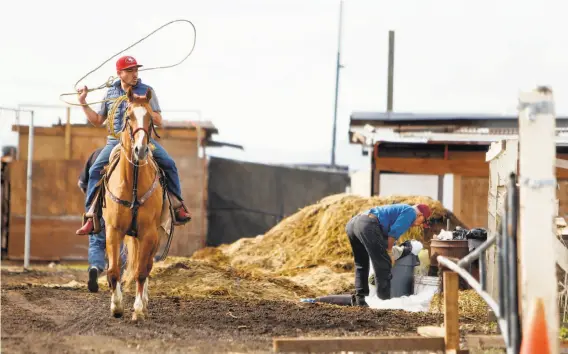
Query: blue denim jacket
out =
(116, 91)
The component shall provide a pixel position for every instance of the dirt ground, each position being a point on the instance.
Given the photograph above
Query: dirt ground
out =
(40, 317)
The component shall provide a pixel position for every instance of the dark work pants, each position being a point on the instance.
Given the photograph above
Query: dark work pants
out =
(368, 241)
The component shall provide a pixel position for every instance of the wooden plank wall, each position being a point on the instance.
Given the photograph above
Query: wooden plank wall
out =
(193, 178)
(470, 200)
(49, 142)
(57, 202)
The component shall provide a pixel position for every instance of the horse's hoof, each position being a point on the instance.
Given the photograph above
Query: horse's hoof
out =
(136, 317)
(116, 312)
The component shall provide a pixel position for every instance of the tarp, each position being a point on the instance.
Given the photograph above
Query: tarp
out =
(247, 199)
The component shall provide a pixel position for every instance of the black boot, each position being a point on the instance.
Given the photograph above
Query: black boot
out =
(384, 289)
(358, 300)
(93, 285)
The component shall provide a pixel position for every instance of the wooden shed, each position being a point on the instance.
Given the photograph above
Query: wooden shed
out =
(60, 153)
(449, 147)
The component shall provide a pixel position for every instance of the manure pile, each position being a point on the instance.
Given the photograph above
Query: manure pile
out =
(305, 255)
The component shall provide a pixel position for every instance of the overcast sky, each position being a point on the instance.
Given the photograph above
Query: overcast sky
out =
(264, 71)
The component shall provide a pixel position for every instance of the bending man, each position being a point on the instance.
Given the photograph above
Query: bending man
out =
(372, 234)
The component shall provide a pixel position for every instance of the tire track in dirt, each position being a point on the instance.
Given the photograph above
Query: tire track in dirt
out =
(18, 312)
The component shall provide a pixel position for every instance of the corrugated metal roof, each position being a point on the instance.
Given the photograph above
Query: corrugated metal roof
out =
(402, 116)
(407, 116)
(369, 136)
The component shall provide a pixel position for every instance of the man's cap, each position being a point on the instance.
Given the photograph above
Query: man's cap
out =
(126, 62)
(425, 210)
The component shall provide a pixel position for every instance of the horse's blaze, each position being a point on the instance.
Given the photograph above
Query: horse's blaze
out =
(140, 139)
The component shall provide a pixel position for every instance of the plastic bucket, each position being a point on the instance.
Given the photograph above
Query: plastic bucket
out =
(422, 283)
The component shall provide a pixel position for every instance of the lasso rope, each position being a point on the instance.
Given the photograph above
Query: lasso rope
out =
(109, 82)
(112, 113)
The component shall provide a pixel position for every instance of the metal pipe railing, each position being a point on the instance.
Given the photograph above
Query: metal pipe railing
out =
(512, 217)
(478, 252)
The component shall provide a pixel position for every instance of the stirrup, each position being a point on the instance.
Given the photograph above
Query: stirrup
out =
(181, 222)
(96, 223)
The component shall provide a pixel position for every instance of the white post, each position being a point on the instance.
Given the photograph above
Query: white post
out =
(29, 193)
(537, 123)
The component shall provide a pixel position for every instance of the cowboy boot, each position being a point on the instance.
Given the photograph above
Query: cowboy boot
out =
(358, 300)
(88, 226)
(182, 215)
(91, 225)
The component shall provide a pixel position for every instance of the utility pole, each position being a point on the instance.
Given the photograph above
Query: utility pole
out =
(337, 68)
(390, 73)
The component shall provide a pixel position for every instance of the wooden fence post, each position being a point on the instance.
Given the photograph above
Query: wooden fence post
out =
(537, 138)
(451, 311)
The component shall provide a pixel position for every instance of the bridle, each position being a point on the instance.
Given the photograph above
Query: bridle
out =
(149, 131)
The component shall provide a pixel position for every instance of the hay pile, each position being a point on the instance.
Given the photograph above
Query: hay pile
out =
(315, 236)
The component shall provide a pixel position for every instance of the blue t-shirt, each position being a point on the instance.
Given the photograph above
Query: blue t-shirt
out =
(395, 219)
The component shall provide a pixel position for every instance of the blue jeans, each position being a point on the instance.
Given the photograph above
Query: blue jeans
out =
(97, 248)
(160, 155)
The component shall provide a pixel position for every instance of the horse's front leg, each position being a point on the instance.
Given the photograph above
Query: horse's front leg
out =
(148, 245)
(113, 241)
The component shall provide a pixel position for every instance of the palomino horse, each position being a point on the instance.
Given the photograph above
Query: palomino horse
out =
(133, 205)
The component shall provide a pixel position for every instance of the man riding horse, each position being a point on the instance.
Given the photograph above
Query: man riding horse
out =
(127, 71)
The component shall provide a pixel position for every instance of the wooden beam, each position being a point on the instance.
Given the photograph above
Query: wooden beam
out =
(356, 344)
(451, 312)
(375, 172)
(495, 150)
(457, 204)
(92, 131)
(472, 168)
(561, 253)
(537, 195)
(503, 161)
(68, 135)
(485, 342)
(431, 331)
(562, 163)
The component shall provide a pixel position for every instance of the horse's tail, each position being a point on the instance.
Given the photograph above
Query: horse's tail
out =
(132, 245)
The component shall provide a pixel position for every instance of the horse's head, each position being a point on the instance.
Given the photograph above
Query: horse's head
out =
(139, 117)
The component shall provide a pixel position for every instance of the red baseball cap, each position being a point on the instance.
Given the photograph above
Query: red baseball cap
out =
(425, 210)
(126, 62)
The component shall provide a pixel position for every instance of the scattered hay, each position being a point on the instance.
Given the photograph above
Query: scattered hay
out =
(211, 254)
(470, 304)
(324, 281)
(192, 278)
